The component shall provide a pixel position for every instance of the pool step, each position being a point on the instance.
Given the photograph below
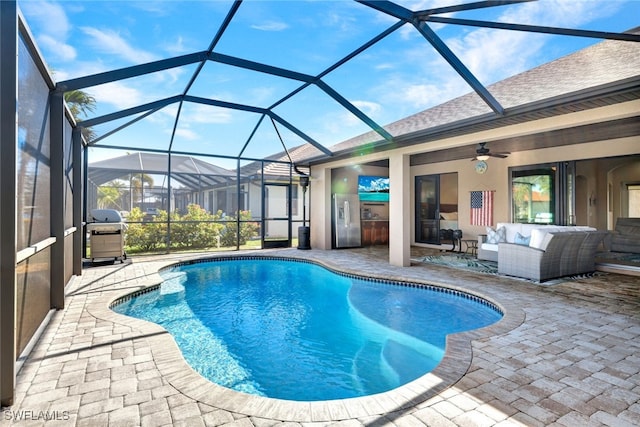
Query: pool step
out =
(369, 359)
(407, 362)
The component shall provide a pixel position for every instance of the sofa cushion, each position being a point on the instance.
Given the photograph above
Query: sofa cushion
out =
(496, 236)
(490, 247)
(511, 229)
(522, 240)
(628, 229)
(537, 234)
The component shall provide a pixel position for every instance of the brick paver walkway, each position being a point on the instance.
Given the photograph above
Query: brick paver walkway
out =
(565, 355)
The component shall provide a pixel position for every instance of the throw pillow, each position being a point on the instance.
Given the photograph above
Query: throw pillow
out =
(496, 236)
(519, 239)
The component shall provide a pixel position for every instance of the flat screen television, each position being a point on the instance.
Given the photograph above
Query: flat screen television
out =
(373, 188)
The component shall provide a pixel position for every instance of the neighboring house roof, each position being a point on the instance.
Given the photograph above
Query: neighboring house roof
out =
(276, 164)
(525, 94)
(187, 170)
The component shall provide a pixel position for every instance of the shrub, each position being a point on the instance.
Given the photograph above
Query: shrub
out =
(230, 232)
(197, 229)
(146, 236)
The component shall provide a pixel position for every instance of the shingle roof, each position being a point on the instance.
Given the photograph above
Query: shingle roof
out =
(600, 64)
(273, 164)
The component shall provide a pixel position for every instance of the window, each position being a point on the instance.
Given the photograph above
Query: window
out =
(533, 192)
(634, 200)
(294, 200)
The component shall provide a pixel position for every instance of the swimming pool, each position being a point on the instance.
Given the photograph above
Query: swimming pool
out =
(298, 331)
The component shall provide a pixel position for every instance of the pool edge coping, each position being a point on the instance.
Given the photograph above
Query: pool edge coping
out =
(175, 369)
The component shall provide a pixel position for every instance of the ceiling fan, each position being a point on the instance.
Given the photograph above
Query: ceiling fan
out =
(483, 153)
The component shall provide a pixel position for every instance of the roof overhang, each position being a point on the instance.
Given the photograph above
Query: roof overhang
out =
(587, 99)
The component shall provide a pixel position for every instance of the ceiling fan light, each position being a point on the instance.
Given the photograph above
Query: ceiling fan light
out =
(482, 157)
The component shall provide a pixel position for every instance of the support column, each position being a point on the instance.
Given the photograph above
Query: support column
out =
(56, 202)
(85, 196)
(320, 214)
(78, 191)
(399, 210)
(8, 147)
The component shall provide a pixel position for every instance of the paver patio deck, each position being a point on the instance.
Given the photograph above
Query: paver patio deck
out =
(564, 355)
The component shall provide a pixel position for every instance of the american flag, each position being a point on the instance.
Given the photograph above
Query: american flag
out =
(482, 208)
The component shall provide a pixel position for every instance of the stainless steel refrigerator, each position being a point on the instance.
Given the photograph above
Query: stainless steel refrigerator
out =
(346, 220)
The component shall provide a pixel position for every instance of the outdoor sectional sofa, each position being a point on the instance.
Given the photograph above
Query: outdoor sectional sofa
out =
(532, 234)
(626, 237)
(559, 254)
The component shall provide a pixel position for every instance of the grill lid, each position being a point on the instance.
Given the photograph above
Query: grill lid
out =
(106, 215)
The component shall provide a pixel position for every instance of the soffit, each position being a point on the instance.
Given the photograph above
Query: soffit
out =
(609, 130)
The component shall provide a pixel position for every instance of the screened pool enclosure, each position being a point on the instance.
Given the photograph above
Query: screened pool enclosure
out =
(231, 133)
(198, 205)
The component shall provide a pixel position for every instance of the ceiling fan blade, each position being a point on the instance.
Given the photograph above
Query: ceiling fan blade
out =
(484, 152)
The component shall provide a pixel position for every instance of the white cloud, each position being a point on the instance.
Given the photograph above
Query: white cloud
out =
(261, 94)
(110, 42)
(421, 95)
(54, 28)
(170, 76)
(271, 26)
(80, 68)
(496, 54)
(341, 22)
(199, 113)
(159, 8)
(558, 12)
(60, 50)
(117, 94)
(186, 133)
(368, 107)
(371, 109)
(176, 47)
(384, 66)
(491, 56)
(50, 16)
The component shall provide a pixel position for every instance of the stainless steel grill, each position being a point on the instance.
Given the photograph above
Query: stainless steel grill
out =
(107, 235)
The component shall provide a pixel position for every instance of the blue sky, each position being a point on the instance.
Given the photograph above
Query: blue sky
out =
(397, 77)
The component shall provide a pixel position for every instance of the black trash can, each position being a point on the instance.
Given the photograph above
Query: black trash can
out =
(304, 238)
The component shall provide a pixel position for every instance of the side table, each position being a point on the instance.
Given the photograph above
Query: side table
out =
(471, 246)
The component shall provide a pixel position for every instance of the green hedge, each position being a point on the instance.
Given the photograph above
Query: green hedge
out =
(196, 229)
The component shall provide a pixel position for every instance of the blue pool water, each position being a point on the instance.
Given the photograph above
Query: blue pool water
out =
(297, 331)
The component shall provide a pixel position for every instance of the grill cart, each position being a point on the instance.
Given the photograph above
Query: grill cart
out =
(107, 235)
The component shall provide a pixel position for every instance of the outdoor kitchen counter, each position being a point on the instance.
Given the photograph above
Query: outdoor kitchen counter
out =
(375, 232)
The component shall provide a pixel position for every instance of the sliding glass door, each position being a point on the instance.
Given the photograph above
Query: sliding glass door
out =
(427, 209)
(543, 194)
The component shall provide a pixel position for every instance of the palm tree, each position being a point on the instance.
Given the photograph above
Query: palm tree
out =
(136, 183)
(109, 195)
(81, 103)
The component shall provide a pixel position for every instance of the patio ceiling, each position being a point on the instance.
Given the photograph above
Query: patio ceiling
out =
(279, 117)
